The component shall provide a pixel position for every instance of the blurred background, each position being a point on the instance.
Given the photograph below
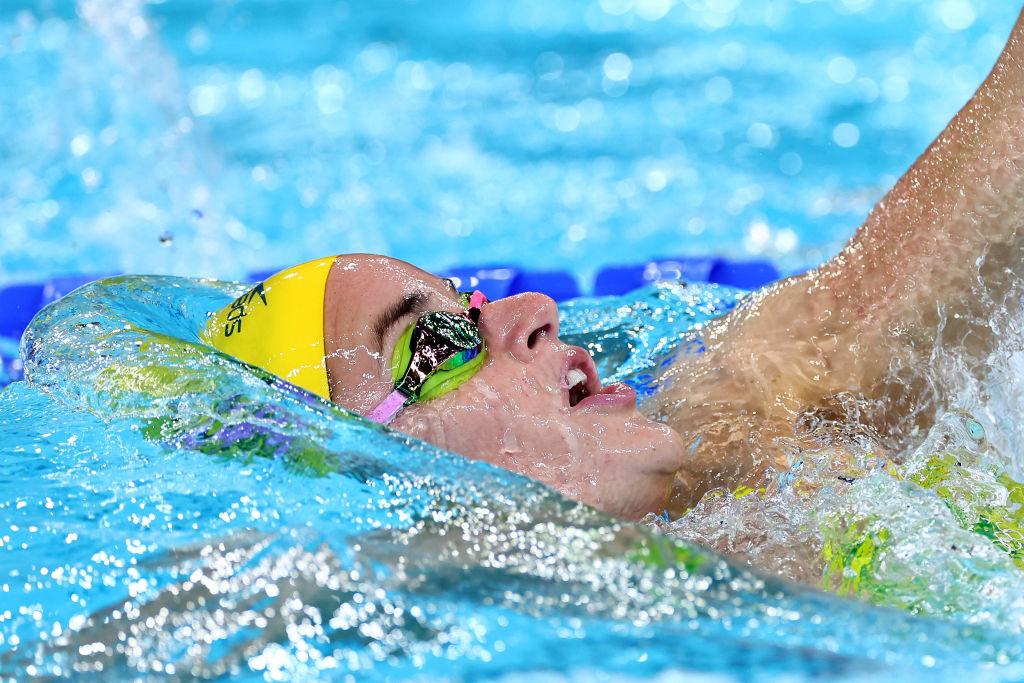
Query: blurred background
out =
(217, 138)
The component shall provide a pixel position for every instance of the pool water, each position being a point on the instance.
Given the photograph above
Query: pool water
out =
(169, 513)
(218, 139)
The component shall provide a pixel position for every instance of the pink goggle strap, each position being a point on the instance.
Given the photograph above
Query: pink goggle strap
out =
(477, 299)
(388, 408)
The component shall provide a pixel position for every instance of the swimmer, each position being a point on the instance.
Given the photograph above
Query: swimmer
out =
(851, 342)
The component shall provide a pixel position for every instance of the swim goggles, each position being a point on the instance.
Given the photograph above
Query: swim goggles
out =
(434, 355)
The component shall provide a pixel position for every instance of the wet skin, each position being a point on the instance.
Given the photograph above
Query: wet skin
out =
(515, 412)
(935, 267)
(931, 278)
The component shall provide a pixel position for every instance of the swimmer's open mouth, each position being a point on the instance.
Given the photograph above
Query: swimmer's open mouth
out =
(583, 389)
(579, 376)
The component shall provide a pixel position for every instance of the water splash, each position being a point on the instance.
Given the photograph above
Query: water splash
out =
(170, 512)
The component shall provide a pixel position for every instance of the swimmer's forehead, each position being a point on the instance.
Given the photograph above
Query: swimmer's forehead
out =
(362, 286)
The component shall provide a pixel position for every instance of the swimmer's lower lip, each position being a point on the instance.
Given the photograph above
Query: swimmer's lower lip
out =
(616, 395)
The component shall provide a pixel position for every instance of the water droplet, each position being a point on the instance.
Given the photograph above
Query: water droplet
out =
(846, 135)
(975, 429)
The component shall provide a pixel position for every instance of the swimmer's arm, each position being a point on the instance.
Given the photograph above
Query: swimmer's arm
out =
(942, 255)
(936, 260)
(953, 223)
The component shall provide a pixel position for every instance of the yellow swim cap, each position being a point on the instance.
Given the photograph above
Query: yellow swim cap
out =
(278, 325)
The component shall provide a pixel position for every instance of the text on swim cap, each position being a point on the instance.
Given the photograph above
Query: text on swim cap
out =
(238, 311)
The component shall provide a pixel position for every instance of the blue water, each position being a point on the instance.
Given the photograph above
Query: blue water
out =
(263, 534)
(168, 512)
(217, 139)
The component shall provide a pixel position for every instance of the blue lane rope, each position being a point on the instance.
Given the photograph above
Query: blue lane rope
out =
(20, 302)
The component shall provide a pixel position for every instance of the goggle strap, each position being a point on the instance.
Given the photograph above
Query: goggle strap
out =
(477, 299)
(388, 408)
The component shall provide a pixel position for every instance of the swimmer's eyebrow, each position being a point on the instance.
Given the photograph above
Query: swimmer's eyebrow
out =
(414, 301)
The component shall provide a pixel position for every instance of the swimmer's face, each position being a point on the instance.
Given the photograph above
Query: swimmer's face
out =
(515, 412)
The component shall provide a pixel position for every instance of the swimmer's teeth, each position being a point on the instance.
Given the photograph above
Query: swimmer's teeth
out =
(574, 377)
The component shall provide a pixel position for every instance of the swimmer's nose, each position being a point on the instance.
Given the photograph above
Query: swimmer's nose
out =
(518, 323)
